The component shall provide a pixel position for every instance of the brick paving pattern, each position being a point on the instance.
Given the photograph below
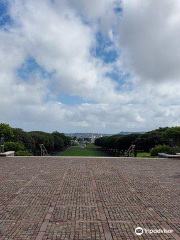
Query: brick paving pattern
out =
(56, 198)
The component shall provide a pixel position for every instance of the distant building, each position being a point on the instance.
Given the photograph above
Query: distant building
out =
(93, 139)
(74, 143)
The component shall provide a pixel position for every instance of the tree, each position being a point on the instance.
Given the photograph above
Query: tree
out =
(42, 138)
(151, 139)
(117, 143)
(102, 142)
(25, 138)
(67, 140)
(58, 142)
(6, 131)
(31, 140)
(123, 143)
(13, 146)
(174, 134)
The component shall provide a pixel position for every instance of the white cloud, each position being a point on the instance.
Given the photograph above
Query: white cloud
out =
(93, 117)
(149, 36)
(60, 41)
(98, 12)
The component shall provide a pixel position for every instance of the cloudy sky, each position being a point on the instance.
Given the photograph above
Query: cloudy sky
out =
(90, 66)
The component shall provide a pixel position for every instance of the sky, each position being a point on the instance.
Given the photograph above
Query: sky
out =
(90, 66)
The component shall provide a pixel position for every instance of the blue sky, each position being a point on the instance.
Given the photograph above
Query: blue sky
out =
(103, 49)
(80, 66)
(29, 67)
(4, 16)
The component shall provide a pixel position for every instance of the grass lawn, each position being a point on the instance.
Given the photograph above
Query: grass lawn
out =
(143, 154)
(90, 151)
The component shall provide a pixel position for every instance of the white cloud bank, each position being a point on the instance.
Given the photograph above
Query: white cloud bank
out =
(61, 36)
(149, 33)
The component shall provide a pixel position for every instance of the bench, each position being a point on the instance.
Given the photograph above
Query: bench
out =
(165, 155)
(7, 154)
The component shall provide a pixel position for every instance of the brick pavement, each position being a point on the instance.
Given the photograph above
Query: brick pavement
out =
(56, 198)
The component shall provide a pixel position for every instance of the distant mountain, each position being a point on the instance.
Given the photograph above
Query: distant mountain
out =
(127, 133)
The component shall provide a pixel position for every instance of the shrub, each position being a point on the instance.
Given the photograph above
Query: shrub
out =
(159, 149)
(13, 146)
(23, 153)
(174, 150)
(164, 149)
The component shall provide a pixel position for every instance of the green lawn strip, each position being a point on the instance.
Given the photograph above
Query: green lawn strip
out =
(91, 145)
(143, 154)
(88, 151)
(92, 151)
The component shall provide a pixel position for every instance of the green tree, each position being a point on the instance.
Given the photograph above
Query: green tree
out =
(14, 146)
(25, 138)
(124, 142)
(174, 134)
(6, 131)
(117, 143)
(151, 139)
(58, 143)
(66, 139)
(42, 138)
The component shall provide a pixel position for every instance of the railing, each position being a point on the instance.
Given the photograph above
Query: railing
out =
(130, 152)
(43, 150)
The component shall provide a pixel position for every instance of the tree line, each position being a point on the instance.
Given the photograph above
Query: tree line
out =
(163, 140)
(27, 143)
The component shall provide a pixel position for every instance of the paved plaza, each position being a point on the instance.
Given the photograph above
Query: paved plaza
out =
(56, 198)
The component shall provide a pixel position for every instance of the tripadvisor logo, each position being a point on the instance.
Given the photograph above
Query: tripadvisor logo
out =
(139, 231)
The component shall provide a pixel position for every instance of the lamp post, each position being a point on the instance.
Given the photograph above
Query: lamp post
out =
(2, 145)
